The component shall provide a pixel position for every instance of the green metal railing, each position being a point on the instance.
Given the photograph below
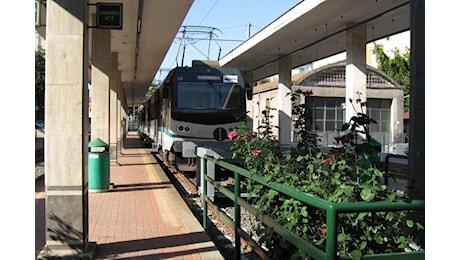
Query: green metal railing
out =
(332, 210)
(386, 172)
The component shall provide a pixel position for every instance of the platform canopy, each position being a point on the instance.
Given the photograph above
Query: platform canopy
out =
(309, 31)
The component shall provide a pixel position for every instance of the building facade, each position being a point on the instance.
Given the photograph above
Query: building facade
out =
(384, 100)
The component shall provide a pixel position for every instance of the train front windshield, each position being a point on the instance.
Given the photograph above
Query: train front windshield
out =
(209, 95)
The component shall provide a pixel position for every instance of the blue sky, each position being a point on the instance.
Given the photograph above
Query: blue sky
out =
(230, 18)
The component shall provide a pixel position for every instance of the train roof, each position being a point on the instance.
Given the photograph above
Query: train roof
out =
(202, 66)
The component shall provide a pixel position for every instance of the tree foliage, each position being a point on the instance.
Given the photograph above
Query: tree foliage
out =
(40, 84)
(152, 88)
(398, 68)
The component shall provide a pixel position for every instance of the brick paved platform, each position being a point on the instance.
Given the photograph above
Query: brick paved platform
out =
(141, 217)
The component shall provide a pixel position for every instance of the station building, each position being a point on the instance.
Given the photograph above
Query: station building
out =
(384, 99)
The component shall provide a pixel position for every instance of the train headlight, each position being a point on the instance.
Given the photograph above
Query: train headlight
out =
(184, 128)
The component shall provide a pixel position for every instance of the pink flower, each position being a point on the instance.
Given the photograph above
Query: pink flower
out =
(232, 135)
(255, 152)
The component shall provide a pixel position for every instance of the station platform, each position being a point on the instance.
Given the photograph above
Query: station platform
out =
(142, 217)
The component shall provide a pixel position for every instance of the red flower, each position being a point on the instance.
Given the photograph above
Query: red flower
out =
(248, 134)
(255, 152)
(329, 159)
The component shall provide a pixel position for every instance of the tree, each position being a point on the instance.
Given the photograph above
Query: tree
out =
(40, 84)
(398, 68)
(152, 88)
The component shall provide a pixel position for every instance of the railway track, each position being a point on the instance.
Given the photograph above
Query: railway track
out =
(221, 233)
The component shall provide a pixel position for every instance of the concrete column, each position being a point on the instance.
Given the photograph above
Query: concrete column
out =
(256, 108)
(356, 71)
(397, 119)
(417, 99)
(114, 116)
(125, 115)
(66, 136)
(284, 101)
(100, 73)
(250, 115)
(120, 133)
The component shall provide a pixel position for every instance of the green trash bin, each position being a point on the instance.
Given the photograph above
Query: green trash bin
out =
(98, 166)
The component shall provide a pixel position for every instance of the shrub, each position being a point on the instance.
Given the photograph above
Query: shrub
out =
(349, 173)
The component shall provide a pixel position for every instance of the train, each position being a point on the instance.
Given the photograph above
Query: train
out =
(194, 106)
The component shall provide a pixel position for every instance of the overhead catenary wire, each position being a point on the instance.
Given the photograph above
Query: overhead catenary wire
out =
(184, 36)
(212, 7)
(209, 34)
(190, 35)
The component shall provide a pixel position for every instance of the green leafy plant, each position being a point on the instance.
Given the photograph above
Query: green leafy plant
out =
(397, 67)
(350, 172)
